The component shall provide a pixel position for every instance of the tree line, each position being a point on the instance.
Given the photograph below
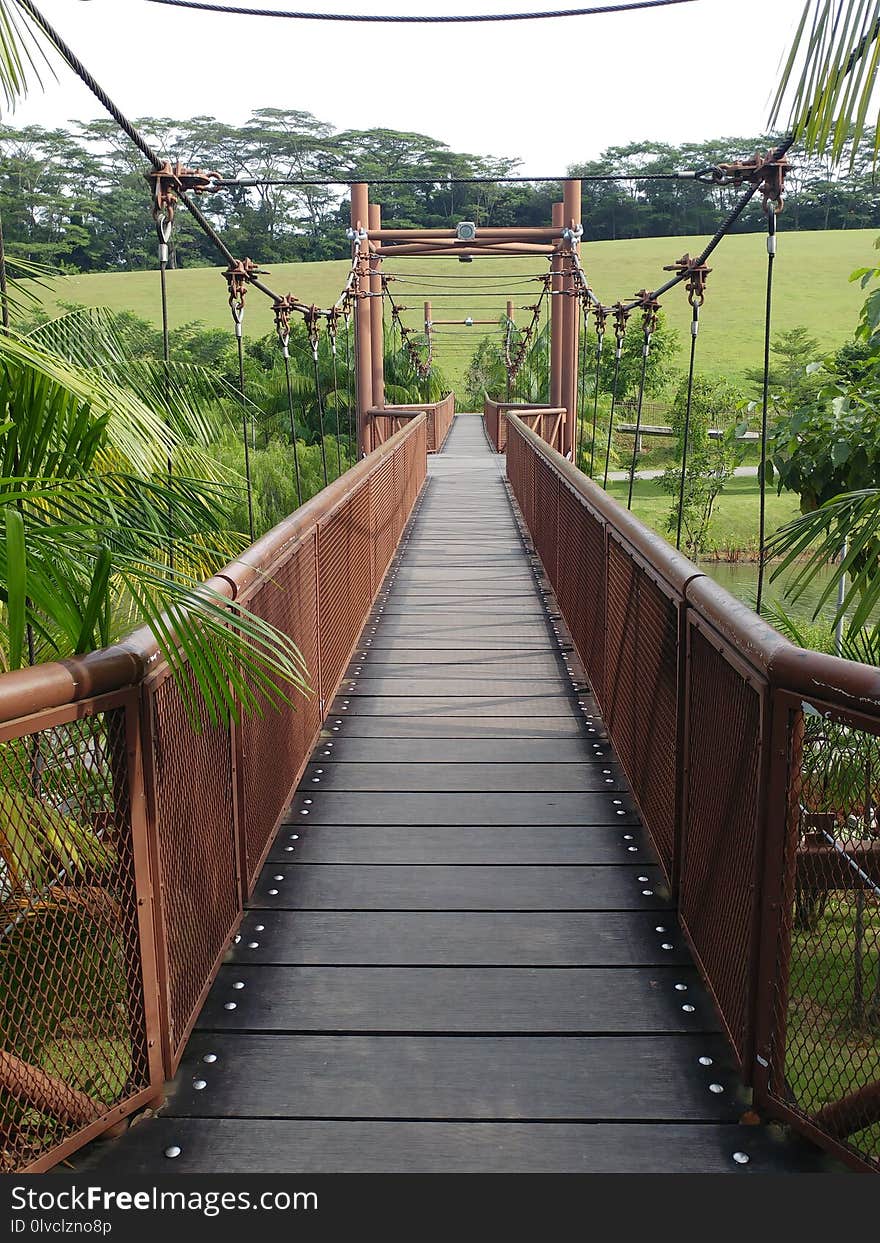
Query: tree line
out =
(75, 197)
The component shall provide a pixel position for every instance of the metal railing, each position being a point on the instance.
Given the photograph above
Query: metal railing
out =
(129, 839)
(755, 765)
(384, 421)
(547, 421)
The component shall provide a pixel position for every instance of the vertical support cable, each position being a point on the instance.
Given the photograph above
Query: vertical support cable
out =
(351, 445)
(599, 314)
(282, 307)
(332, 319)
(771, 209)
(621, 315)
(244, 423)
(164, 217)
(649, 326)
(312, 325)
(695, 327)
(582, 368)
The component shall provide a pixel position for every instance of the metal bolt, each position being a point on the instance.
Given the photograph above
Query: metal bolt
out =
(210, 1058)
(717, 1088)
(278, 877)
(308, 801)
(289, 849)
(633, 849)
(273, 893)
(238, 984)
(229, 1005)
(741, 1158)
(200, 1084)
(253, 945)
(260, 928)
(688, 1009)
(659, 928)
(236, 938)
(621, 813)
(294, 837)
(172, 1152)
(705, 1061)
(643, 879)
(627, 837)
(681, 988)
(667, 945)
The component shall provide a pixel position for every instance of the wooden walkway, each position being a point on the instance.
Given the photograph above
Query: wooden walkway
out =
(459, 956)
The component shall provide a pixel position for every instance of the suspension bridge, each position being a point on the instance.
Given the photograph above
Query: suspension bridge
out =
(536, 878)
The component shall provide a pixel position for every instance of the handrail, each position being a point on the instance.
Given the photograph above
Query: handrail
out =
(55, 684)
(733, 739)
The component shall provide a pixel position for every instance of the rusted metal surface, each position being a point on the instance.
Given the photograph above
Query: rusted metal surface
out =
(77, 1002)
(384, 422)
(130, 834)
(548, 421)
(756, 768)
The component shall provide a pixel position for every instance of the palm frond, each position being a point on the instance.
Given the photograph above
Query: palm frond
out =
(830, 75)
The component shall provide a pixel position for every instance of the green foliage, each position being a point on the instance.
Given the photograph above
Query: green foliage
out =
(710, 464)
(664, 347)
(792, 374)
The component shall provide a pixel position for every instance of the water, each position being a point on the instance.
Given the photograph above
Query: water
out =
(741, 580)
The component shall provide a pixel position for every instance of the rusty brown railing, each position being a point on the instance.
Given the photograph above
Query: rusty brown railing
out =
(129, 840)
(547, 421)
(384, 421)
(756, 768)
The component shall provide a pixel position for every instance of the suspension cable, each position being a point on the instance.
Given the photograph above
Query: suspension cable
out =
(400, 19)
(600, 314)
(348, 403)
(282, 310)
(621, 315)
(312, 329)
(582, 371)
(650, 312)
(773, 210)
(332, 324)
(238, 287)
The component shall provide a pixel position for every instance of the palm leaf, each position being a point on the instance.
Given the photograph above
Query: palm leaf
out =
(829, 77)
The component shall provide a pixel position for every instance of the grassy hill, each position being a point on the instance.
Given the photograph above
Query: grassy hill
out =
(811, 288)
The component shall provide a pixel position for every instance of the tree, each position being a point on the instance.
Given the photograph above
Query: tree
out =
(709, 465)
(791, 379)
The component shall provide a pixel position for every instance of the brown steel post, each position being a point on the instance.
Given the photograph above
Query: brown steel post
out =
(570, 335)
(377, 327)
(360, 213)
(556, 314)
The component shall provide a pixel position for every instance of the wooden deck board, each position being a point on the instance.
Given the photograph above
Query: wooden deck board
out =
(459, 955)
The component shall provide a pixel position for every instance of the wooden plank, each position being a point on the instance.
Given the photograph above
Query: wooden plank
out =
(656, 1077)
(447, 684)
(588, 1000)
(456, 938)
(461, 750)
(427, 887)
(517, 706)
(478, 809)
(463, 844)
(275, 1146)
(424, 725)
(473, 778)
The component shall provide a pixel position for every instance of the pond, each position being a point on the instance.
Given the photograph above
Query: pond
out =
(741, 580)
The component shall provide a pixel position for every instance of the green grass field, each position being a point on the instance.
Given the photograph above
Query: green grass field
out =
(734, 525)
(811, 288)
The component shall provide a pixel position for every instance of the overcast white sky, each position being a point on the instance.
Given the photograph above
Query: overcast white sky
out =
(549, 92)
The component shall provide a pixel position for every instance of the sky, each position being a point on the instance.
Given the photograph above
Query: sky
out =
(550, 93)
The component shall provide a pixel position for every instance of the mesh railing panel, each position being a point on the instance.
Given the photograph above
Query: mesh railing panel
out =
(344, 583)
(581, 587)
(641, 693)
(825, 1047)
(73, 1040)
(385, 518)
(717, 888)
(199, 865)
(274, 747)
(545, 518)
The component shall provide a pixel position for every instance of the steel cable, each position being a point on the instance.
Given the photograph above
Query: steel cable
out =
(765, 397)
(695, 326)
(401, 19)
